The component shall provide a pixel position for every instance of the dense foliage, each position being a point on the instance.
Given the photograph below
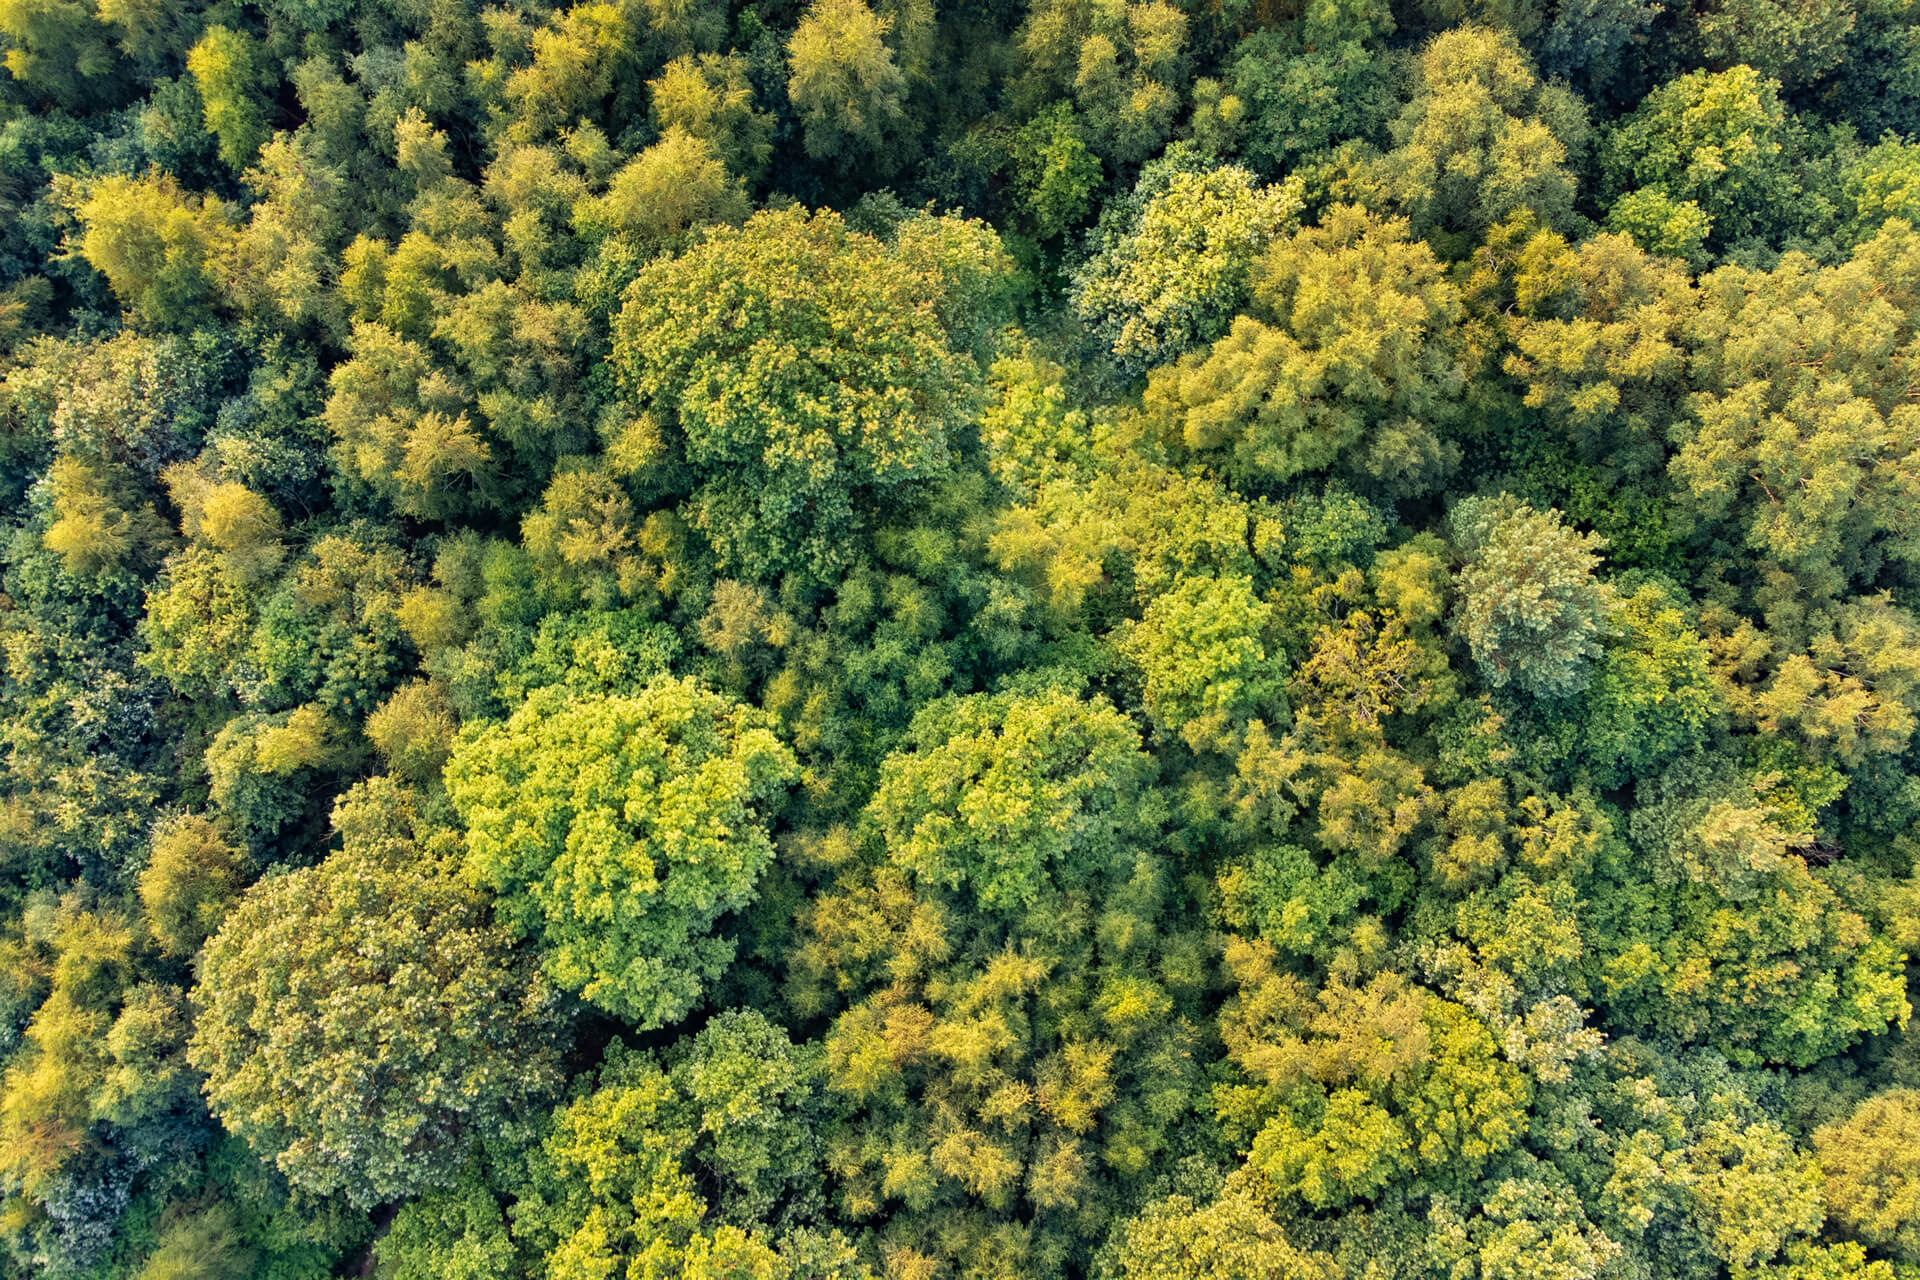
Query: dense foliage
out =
(899, 640)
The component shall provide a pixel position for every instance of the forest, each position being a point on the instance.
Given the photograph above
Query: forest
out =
(917, 640)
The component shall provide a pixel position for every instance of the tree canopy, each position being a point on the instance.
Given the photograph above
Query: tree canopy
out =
(1027, 640)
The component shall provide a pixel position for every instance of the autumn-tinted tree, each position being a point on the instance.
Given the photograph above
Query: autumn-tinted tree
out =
(1349, 363)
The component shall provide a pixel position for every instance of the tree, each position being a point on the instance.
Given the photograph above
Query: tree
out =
(1012, 796)
(92, 530)
(413, 730)
(166, 253)
(808, 372)
(1791, 974)
(1207, 664)
(1594, 43)
(1173, 279)
(1722, 140)
(844, 82)
(710, 97)
(1799, 438)
(330, 633)
(361, 1022)
(1482, 140)
(192, 877)
(1349, 362)
(1796, 43)
(618, 830)
(1597, 337)
(1527, 1227)
(96, 1090)
(1531, 611)
(1124, 68)
(404, 428)
(126, 405)
(1880, 182)
(1303, 89)
(1348, 1090)
(578, 56)
(208, 1244)
(225, 68)
(1873, 1175)
(1652, 696)
(1752, 1189)
(262, 769)
(1057, 175)
(197, 625)
(238, 524)
(635, 1162)
(59, 50)
(674, 185)
(1232, 1236)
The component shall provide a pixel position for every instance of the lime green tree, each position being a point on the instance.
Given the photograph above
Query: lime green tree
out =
(1011, 797)
(1721, 141)
(618, 830)
(226, 68)
(1174, 277)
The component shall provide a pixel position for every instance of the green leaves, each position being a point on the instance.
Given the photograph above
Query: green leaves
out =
(1013, 797)
(1530, 608)
(225, 67)
(1804, 440)
(807, 374)
(1207, 664)
(1482, 140)
(361, 1022)
(618, 830)
(1718, 139)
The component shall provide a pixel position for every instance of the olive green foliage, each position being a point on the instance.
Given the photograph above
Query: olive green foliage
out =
(1830, 447)
(844, 82)
(331, 993)
(1234, 1235)
(165, 252)
(773, 356)
(1293, 91)
(1019, 640)
(1482, 139)
(1346, 363)
(1121, 67)
(192, 877)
